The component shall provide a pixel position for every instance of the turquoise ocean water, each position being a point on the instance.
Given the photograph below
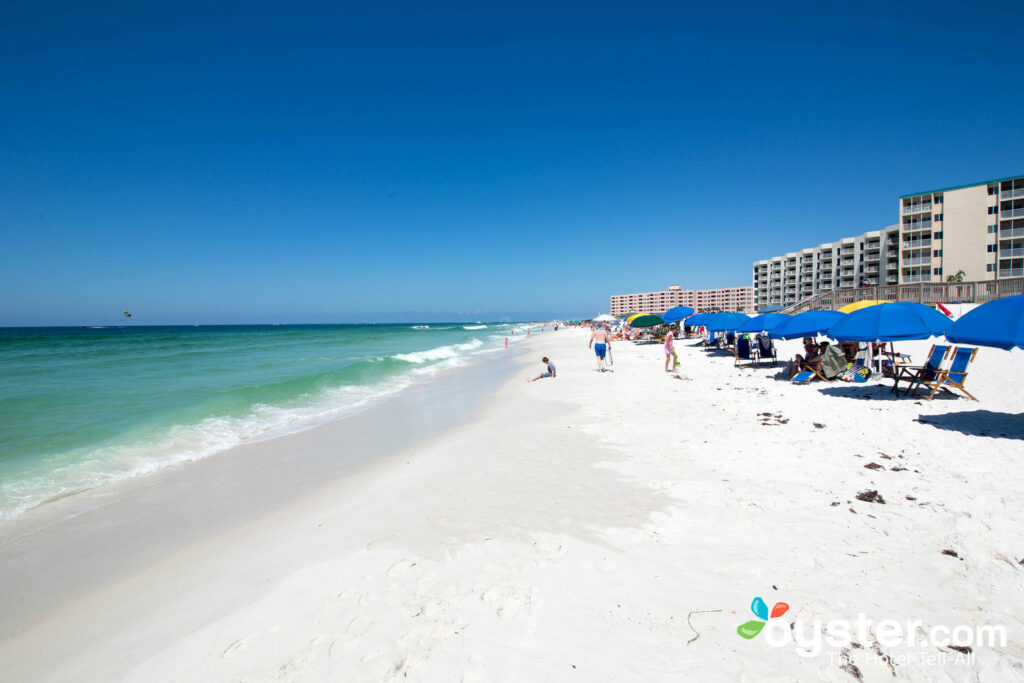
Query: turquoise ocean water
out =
(81, 407)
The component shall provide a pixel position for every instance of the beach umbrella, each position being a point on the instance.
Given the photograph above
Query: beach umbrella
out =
(723, 322)
(863, 303)
(764, 323)
(772, 308)
(998, 323)
(646, 320)
(676, 314)
(633, 317)
(605, 318)
(890, 322)
(806, 324)
(697, 319)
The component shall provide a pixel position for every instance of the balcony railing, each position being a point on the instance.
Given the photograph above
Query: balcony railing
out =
(917, 261)
(916, 208)
(1012, 213)
(917, 225)
(1011, 272)
(1012, 194)
(918, 278)
(1007, 253)
(1010, 232)
(917, 244)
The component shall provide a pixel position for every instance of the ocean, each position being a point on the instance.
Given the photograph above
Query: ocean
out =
(83, 407)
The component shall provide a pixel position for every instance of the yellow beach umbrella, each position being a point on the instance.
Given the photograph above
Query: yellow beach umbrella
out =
(864, 303)
(633, 317)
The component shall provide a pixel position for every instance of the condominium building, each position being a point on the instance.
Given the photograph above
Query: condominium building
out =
(787, 279)
(726, 299)
(977, 229)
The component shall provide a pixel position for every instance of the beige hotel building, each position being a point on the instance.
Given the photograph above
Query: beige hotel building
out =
(977, 229)
(727, 299)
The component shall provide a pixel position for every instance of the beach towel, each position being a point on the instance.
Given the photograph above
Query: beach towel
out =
(855, 373)
(803, 377)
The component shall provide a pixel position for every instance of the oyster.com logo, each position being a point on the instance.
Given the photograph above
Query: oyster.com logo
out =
(760, 610)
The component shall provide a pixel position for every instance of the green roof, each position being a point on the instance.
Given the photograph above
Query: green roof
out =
(960, 187)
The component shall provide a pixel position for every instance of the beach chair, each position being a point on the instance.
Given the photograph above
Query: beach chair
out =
(743, 352)
(915, 374)
(827, 369)
(765, 348)
(954, 377)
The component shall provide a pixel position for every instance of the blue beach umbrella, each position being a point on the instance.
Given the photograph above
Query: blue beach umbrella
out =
(723, 322)
(676, 314)
(769, 309)
(890, 322)
(998, 323)
(698, 319)
(764, 323)
(806, 324)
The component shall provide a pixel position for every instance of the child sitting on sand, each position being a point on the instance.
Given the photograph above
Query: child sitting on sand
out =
(550, 372)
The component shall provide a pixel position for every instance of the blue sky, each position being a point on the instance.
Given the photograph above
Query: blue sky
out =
(329, 163)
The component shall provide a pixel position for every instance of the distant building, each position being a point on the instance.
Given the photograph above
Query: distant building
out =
(977, 229)
(727, 299)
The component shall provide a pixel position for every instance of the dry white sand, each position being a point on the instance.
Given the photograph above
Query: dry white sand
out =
(587, 528)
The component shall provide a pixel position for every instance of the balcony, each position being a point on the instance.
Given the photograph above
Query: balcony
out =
(927, 277)
(917, 225)
(1011, 272)
(1008, 253)
(916, 208)
(1012, 213)
(871, 270)
(1012, 194)
(917, 244)
(917, 261)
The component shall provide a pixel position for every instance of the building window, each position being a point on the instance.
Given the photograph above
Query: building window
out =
(937, 217)
(992, 189)
(936, 271)
(993, 209)
(937, 199)
(937, 236)
(991, 268)
(992, 229)
(937, 252)
(991, 248)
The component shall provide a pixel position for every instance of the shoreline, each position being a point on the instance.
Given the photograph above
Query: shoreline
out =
(145, 520)
(586, 528)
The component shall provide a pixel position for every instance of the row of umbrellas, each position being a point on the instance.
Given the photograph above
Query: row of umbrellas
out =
(998, 323)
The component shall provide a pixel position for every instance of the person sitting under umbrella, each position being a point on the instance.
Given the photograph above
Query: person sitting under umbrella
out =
(811, 360)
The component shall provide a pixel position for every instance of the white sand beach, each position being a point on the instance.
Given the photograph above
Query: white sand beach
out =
(592, 527)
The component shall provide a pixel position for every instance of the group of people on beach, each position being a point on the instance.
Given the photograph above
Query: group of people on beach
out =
(601, 342)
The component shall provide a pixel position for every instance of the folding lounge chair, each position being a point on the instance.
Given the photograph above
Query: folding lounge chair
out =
(743, 352)
(765, 349)
(915, 374)
(954, 377)
(832, 363)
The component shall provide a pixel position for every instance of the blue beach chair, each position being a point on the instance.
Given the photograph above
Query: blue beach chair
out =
(954, 377)
(743, 352)
(914, 374)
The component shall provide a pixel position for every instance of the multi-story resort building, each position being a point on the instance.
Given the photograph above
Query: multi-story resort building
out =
(974, 232)
(727, 299)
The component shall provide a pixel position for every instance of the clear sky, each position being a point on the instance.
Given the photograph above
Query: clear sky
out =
(332, 163)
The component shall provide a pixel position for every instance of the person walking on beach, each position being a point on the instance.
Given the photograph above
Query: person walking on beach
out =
(600, 341)
(670, 350)
(550, 372)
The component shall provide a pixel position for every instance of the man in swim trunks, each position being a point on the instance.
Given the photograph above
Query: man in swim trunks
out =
(600, 341)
